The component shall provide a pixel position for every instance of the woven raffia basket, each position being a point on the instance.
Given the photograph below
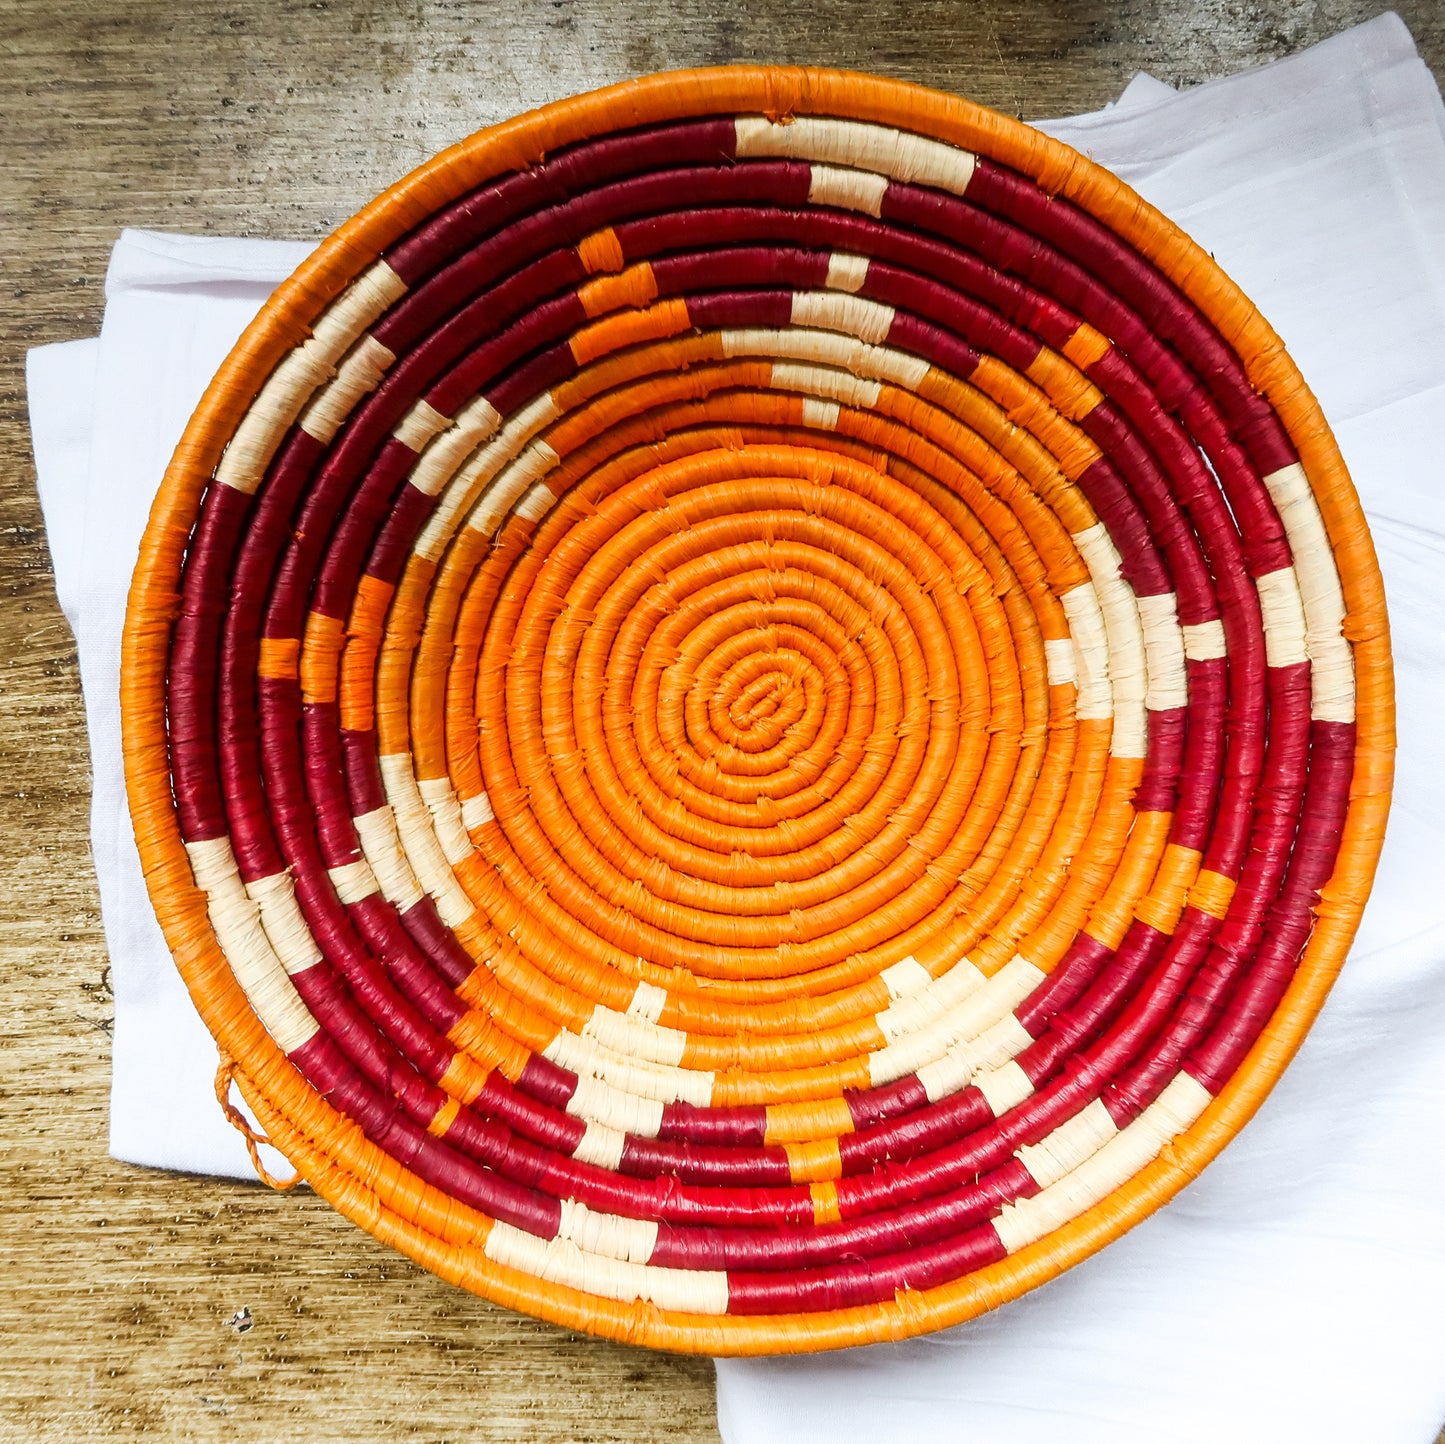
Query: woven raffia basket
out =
(758, 711)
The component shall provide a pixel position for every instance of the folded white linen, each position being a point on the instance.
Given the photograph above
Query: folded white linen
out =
(105, 416)
(1293, 1292)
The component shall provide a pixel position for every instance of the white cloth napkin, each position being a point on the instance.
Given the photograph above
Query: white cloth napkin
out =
(105, 416)
(1294, 1292)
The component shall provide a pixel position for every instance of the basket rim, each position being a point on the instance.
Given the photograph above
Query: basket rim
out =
(330, 1150)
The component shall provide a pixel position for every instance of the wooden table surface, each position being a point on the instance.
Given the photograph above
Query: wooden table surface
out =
(281, 118)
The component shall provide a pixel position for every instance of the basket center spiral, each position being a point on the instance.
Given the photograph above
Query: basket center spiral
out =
(743, 711)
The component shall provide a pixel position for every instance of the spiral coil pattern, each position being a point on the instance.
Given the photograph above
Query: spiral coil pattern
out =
(768, 675)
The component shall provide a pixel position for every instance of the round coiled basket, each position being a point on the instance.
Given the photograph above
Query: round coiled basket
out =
(758, 710)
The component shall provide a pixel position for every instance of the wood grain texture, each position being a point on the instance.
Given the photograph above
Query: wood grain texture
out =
(281, 119)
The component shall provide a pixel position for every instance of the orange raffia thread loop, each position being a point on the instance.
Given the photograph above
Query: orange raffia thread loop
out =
(225, 1076)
